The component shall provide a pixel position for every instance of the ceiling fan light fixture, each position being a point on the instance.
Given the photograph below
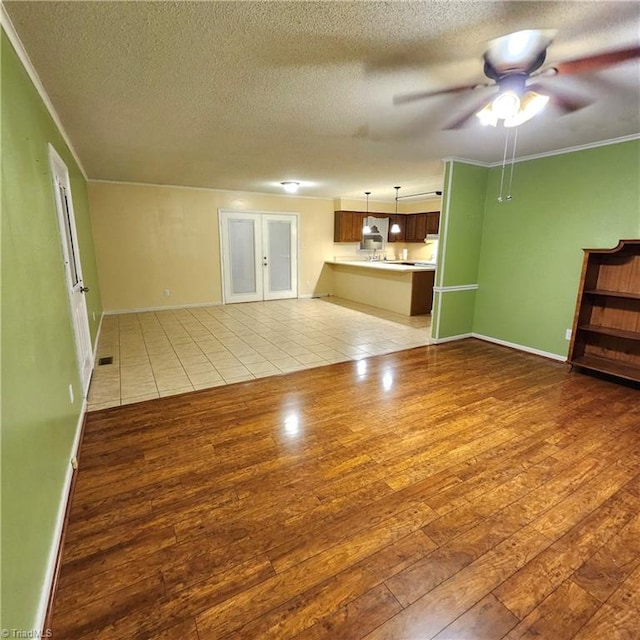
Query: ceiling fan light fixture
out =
(506, 105)
(531, 105)
(519, 50)
(290, 186)
(487, 117)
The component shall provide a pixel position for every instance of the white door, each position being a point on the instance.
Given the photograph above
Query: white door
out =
(259, 256)
(73, 268)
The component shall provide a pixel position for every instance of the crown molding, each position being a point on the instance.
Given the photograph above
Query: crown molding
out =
(238, 192)
(23, 56)
(477, 163)
(580, 147)
(547, 154)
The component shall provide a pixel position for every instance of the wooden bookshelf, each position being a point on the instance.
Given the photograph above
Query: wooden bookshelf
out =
(606, 327)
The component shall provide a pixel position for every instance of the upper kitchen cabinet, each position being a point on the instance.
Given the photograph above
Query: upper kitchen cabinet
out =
(414, 227)
(347, 226)
(433, 223)
(419, 225)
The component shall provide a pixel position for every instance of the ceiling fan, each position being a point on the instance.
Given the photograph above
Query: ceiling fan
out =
(510, 63)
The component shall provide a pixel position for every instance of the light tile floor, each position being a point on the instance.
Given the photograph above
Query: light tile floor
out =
(163, 353)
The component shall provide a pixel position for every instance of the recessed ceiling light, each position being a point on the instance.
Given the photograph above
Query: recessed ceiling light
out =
(290, 186)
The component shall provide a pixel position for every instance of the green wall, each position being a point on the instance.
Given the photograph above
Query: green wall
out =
(38, 350)
(461, 226)
(531, 251)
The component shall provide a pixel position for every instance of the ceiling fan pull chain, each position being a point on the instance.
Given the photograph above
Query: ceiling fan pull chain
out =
(504, 161)
(513, 160)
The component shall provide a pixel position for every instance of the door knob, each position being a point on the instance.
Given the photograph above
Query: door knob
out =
(84, 289)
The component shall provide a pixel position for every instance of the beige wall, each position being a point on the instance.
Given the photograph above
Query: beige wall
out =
(404, 206)
(152, 238)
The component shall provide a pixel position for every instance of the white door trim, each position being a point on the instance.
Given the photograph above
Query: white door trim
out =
(75, 284)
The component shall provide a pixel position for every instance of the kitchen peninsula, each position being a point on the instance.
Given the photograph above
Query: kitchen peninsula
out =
(405, 288)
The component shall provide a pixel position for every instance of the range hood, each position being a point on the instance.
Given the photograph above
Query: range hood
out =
(371, 241)
(375, 239)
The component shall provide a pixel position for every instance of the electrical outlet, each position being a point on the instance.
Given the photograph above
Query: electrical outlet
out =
(166, 293)
(567, 334)
(71, 399)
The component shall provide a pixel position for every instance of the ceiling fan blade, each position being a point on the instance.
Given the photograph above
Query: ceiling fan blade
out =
(566, 101)
(597, 62)
(467, 114)
(421, 95)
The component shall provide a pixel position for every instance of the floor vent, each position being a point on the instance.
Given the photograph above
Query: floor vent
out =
(107, 360)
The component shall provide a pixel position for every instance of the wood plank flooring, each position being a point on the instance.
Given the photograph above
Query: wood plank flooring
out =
(464, 491)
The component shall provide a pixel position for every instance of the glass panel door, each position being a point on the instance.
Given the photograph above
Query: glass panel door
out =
(280, 234)
(279, 256)
(259, 256)
(242, 242)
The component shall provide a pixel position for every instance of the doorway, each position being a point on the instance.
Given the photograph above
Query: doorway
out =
(259, 253)
(72, 267)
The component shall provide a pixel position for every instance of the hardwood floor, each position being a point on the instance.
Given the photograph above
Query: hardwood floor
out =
(465, 491)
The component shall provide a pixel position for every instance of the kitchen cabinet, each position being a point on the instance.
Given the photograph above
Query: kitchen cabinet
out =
(409, 228)
(422, 292)
(433, 223)
(347, 226)
(606, 326)
(414, 227)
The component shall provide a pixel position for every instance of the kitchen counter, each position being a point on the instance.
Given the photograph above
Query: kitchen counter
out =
(391, 285)
(389, 265)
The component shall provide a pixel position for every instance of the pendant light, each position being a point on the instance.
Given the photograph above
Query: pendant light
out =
(395, 227)
(366, 228)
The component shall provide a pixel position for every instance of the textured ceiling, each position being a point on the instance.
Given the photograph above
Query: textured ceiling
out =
(242, 95)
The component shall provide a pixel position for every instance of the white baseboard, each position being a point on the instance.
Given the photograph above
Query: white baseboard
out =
(115, 312)
(520, 347)
(461, 336)
(96, 342)
(314, 295)
(45, 593)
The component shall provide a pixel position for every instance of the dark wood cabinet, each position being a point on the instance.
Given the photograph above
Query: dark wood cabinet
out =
(421, 226)
(606, 327)
(416, 226)
(413, 226)
(409, 228)
(347, 226)
(422, 292)
(433, 222)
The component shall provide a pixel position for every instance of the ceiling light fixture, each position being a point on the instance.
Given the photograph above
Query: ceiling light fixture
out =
(512, 109)
(366, 228)
(395, 227)
(531, 105)
(290, 186)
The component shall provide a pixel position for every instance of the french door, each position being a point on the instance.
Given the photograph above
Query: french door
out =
(259, 256)
(73, 268)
